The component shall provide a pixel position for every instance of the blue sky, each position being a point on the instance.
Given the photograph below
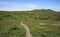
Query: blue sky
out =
(18, 5)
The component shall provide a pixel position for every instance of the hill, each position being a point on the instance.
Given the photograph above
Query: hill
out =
(42, 23)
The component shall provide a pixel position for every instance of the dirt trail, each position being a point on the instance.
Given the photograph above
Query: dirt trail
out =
(28, 34)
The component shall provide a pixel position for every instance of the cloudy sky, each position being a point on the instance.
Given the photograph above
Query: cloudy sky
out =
(18, 5)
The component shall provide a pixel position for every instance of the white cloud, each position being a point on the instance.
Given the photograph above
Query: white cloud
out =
(32, 6)
(25, 6)
(54, 7)
(17, 6)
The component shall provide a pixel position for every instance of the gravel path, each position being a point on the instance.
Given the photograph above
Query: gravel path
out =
(28, 34)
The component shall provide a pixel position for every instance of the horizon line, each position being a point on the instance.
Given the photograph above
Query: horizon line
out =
(31, 10)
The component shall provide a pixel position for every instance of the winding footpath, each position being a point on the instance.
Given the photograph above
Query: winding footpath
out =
(28, 34)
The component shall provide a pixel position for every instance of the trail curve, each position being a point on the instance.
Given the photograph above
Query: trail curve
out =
(28, 34)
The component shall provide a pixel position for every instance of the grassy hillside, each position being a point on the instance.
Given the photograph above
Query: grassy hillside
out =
(42, 23)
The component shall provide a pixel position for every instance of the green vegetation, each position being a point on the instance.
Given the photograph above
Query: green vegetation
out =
(42, 23)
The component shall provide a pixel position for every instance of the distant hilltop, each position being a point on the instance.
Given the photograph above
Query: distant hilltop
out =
(38, 10)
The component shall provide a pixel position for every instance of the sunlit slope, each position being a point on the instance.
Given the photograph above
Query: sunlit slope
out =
(42, 23)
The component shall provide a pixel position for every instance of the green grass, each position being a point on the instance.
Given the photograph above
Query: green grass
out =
(47, 30)
(41, 23)
(10, 26)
